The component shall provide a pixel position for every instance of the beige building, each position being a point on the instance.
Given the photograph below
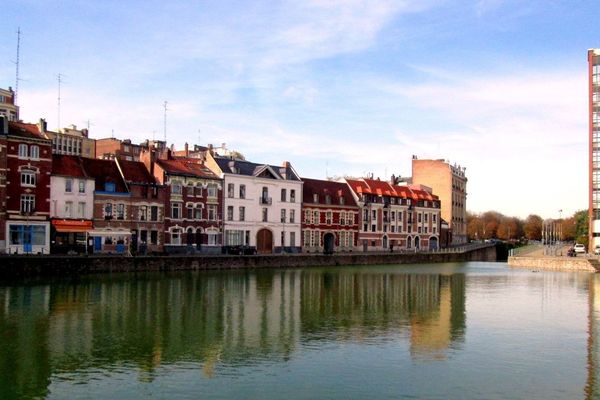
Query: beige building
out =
(70, 141)
(7, 104)
(449, 183)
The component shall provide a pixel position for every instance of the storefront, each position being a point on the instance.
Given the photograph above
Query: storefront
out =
(27, 237)
(70, 236)
(110, 241)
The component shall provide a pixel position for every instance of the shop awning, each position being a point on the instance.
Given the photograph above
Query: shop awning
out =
(63, 225)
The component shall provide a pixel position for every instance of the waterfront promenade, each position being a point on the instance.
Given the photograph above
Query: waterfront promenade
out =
(23, 266)
(541, 258)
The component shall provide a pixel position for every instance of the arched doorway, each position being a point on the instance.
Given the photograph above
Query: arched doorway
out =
(384, 242)
(189, 237)
(264, 241)
(409, 242)
(328, 243)
(433, 243)
(417, 243)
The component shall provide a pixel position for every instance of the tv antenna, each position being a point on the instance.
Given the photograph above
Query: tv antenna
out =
(165, 122)
(59, 76)
(17, 64)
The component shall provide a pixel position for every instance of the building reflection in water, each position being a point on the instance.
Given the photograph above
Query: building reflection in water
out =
(592, 390)
(216, 320)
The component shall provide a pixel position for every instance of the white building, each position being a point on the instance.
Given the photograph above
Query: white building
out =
(261, 205)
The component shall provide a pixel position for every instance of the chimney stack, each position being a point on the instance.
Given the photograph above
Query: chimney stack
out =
(187, 150)
(42, 125)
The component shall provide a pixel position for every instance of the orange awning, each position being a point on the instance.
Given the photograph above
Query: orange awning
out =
(71, 226)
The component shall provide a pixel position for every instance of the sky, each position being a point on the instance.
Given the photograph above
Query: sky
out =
(337, 87)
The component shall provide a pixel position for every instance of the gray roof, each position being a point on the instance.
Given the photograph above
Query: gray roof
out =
(242, 167)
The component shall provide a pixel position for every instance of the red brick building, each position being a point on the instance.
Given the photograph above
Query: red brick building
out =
(147, 199)
(396, 217)
(194, 202)
(330, 217)
(27, 198)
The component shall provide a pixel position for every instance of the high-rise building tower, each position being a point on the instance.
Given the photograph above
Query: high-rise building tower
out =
(594, 148)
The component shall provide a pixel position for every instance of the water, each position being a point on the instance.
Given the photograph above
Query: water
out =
(443, 331)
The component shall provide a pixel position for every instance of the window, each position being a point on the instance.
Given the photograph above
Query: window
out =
(315, 197)
(34, 152)
(109, 187)
(230, 190)
(292, 239)
(328, 217)
(327, 199)
(229, 213)
(176, 210)
(108, 211)
(143, 213)
(81, 209)
(198, 211)
(283, 239)
(292, 195)
(81, 186)
(342, 201)
(212, 238)
(212, 190)
(176, 188)
(242, 213)
(27, 178)
(434, 218)
(316, 217)
(176, 236)
(212, 212)
(153, 213)
(190, 211)
(144, 236)
(283, 195)
(68, 185)
(68, 209)
(419, 217)
(265, 214)
(283, 215)
(22, 150)
(242, 191)
(153, 237)
(27, 203)
(121, 211)
(307, 214)
(292, 216)
(426, 217)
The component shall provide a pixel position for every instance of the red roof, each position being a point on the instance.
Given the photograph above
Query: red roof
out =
(336, 190)
(104, 171)
(136, 172)
(187, 167)
(24, 130)
(382, 188)
(68, 166)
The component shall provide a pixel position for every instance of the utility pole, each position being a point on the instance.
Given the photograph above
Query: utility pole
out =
(59, 76)
(17, 64)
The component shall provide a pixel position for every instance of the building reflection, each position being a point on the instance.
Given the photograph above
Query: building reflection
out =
(215, 320)
(592, 391)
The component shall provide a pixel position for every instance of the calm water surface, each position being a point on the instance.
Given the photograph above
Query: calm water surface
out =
(443, 331)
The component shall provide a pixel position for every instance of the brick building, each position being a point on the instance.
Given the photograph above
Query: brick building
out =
(330, 217)
(27, 177)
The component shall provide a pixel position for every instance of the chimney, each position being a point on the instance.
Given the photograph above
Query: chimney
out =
(42, 125)
(187, 150)
(85, 133)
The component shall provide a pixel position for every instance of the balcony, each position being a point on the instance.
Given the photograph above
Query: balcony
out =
(265, 201)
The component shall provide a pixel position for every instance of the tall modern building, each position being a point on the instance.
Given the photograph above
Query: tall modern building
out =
(594, 148)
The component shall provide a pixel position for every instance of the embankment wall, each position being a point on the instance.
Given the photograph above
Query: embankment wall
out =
(554, 263)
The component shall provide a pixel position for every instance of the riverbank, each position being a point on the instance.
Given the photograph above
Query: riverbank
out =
(555, 263)
(23, 266)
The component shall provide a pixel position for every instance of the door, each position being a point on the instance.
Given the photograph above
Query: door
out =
(433, 243)
(264, 241)
(328, 243)
(97, 244)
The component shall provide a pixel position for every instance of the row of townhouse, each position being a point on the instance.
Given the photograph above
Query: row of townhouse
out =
(171, 202)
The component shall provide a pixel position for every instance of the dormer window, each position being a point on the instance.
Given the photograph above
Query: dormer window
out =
(109, 187)
(315, 198)
(327, 199)
(342, 201)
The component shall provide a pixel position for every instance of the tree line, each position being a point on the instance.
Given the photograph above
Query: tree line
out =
(495, 225)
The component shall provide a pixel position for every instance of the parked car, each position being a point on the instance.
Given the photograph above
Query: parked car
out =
(579, 248)
(597, 250)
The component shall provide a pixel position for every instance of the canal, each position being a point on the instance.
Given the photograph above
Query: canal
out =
(438, 331)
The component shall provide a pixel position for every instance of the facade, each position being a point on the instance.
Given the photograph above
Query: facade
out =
(8, 108)
(261, 206)
(111, 148)
(330, 217)
(70, 141)
(396, 217)
(193, 206)
(146, 208)
(71, 205)
(449, 182)
(28, 168)
(594, 147)
(112, 207)
(3, 179)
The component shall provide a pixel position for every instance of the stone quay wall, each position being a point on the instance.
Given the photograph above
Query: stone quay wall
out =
(23, 266)
(555, 263)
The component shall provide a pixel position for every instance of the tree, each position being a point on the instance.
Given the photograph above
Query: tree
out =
(533, 227)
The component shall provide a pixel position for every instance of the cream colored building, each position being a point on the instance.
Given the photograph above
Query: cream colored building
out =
(449, 183)
(7, 104)
(70, 141)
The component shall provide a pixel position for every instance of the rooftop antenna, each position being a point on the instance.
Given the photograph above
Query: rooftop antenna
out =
(88, 123)
(59, 76)
(17, 64)
(326, 169)
(165, 122)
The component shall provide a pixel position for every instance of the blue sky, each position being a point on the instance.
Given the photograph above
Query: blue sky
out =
(339, 87)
